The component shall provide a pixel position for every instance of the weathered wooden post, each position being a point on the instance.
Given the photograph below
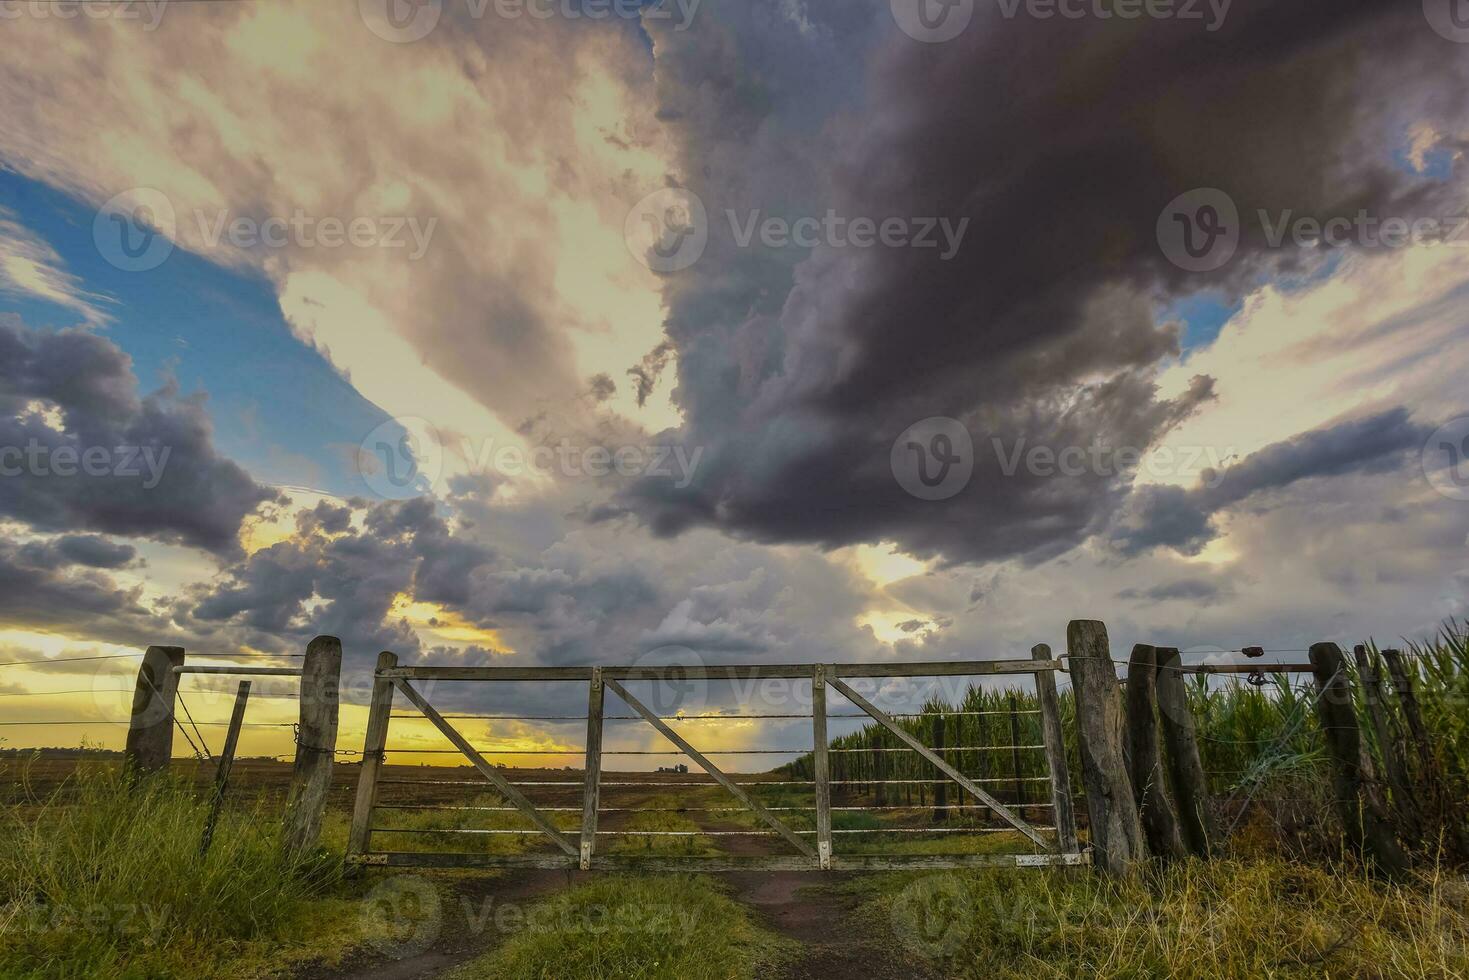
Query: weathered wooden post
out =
(1185, 765)
(1430, 774)
(592, 785)
(1394, 766)
(821, 761)
(150, 731)
(316, 743)
(1160, 821)
(1115, 827)
(1054, 736)
(1367, 829)
(226, 764)
(379, 712)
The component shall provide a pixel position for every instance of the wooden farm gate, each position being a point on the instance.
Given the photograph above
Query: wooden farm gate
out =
(1053, 845)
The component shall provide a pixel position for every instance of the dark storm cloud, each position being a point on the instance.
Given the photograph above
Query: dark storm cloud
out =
(339, 582)
(1168, 516)
(1192, 589)
(42, 588)
(155, 472)
(1061, 142)
(88, 550)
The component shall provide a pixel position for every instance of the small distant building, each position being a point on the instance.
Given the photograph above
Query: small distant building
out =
(679, 769)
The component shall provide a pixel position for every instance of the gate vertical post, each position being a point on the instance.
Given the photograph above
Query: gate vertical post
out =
(316, 743)
(1116, 828)
(379, 712)
(823, 774)
(1055, 739)
(591, 792)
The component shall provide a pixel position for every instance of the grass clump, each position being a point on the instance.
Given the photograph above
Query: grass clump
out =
(1226, 919)
(112, 885)
(641, 928)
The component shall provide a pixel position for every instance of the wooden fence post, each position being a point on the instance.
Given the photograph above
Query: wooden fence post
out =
(1185, 765)
(378, 714)
(1430, 773)
(1160, 820)
(1367, 829)
(226, 763)
(1394, 766)
(1054, 736)
(150, 731)
(822, 774)
(316, 743)
(1115, 827)
(592, 786)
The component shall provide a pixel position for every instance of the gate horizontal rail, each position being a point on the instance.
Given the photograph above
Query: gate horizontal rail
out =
(580, 849)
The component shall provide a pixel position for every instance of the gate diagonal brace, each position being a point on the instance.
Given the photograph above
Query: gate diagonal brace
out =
(709, 767)
(488, 771)
(999, 808)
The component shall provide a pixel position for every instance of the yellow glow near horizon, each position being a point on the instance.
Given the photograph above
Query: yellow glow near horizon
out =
(441, 624)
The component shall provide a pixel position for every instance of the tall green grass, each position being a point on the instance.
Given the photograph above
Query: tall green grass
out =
(111, 885)
(1261, 747)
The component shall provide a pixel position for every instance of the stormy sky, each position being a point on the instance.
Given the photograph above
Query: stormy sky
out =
(774, 330)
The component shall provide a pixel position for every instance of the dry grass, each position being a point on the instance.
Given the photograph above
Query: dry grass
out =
(1225, 919)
